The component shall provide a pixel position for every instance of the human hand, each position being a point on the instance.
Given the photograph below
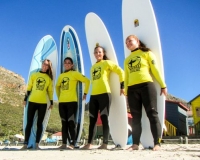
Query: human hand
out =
(122, 92)
(163, 91)
(84, 97)
(50, 107)
(24, 103)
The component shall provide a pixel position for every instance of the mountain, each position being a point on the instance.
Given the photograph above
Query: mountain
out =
(12, 87)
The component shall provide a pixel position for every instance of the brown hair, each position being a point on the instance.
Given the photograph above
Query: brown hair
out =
(141, 46)
(49, 70)
(104, 51)
(70, 59)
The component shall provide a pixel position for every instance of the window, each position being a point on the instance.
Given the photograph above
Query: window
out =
(198, 111)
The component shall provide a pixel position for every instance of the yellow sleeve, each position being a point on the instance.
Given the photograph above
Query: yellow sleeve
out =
(83, 79)
(126, 77)
(115, 68)
(30, 83)
(58, 86)
(155, 71)
(50, 89)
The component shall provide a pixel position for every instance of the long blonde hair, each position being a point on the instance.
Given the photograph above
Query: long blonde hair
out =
(50, 69)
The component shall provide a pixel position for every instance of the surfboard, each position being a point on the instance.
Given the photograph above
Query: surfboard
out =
(45, 49)
(70, 47)
(138, 18)
(96, 32)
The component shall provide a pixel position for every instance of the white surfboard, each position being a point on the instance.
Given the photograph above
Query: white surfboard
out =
(138, 18)
(45, 49)
(70, 47)
(96, 32)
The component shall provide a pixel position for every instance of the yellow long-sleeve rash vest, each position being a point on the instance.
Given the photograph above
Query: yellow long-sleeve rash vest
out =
(40, 84)
(66, 86)
(138, 66)
(100, 73)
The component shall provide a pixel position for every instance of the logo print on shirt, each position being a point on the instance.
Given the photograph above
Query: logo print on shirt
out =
(96, 74)
(40, 83)
(65, 83)
(134, 64)
(153, 62)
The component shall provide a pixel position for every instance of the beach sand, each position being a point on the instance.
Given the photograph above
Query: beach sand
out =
(168, 152)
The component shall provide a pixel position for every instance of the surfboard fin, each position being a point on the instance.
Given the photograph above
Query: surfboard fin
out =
(136, 22)
(117, 147)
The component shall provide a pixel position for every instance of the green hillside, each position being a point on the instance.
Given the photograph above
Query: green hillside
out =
(11, 121)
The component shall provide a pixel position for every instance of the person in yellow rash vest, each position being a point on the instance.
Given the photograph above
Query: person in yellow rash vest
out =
(101, 94)
(140, 89)
(66, 90)
(39, 86)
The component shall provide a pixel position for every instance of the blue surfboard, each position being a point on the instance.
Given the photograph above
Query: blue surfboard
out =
(70, 47)
(45, 49)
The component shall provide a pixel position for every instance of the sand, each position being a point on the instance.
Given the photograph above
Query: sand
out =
(168, 152)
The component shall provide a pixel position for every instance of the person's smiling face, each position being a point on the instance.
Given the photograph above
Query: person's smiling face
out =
(68, 65)
(45, 65)
(98, 53)
(132, 43)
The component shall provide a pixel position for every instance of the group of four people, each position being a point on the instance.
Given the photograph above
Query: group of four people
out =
(135, 82)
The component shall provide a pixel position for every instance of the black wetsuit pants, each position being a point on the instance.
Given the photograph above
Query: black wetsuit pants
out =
(100, 102)
(67, 111)
(144, 94)
(32, 108)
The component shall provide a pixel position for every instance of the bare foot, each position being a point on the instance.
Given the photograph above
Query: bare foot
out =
(24, 147)
(37, 146)
(103, 146)
(63, 147)
(87, 146)
(133, 147)
(70, 147)
(129, 148)
(156, 147)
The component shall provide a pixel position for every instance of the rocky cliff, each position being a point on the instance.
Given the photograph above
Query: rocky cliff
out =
(12, 87)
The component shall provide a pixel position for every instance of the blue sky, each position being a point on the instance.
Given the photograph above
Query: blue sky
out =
(23, 23)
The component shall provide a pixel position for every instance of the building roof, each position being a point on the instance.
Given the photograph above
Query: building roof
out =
(179, 104)
(57, 134)
(99, 122)
(194, 98)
